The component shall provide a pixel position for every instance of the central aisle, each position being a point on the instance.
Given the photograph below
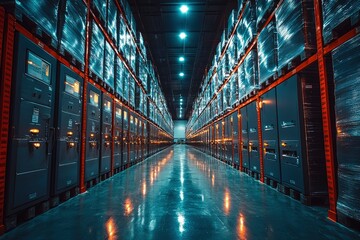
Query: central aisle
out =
(182, 193)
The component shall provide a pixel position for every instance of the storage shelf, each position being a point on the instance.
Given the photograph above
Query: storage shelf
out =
(195, 128)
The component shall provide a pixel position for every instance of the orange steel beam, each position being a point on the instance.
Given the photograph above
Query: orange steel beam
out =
(5, 105)
(261, 152)
(326, 116)
(347, 36)
(239, 139)
(2, 29)
(84, 105)
(240, 142)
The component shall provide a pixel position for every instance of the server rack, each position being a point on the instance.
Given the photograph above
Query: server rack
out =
(244, 139)
(126, 139)
(84, 34)
(145, 140)
(32, 126)
(299, 118)
(235, 139)
(132, 138)
(137, 139)
(66, 160)
(212, 140)
(93, 135)
(228, 156)
(218, 139)
(106, 134)
(270, 136)
(254, 149)
(118, 138)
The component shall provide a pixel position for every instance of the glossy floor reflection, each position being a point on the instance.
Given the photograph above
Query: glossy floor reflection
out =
(182, 193)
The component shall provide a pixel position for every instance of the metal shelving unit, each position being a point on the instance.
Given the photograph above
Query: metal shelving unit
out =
(196, 128)
(9, 26)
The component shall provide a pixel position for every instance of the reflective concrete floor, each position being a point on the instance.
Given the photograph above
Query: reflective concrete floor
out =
(182, 193)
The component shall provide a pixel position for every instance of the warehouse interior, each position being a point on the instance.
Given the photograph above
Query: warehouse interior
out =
(195, 119)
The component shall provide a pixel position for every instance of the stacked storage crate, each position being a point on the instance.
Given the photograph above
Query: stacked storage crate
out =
(72, 44)
(347, 78)
(295, 33)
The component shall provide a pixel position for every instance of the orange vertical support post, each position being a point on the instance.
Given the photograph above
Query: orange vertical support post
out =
(2, 25)
(84, 105)
(326, 116)
(232, 144)
(5, 98)
(239, 138)
(261, 152)
(241, 144)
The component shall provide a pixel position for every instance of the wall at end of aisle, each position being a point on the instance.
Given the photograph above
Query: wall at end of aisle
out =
(179, 129)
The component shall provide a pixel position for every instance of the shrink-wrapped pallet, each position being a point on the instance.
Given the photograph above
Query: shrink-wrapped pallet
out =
(263, 9)
(267, 52)
(132, 92)
(226, 97)
(138, 98)
(234, 88)
(112, 21)
(336, 12)
(126, 83)
(346, 63)
(249, 82)
(231, 54)
(109, 65)
(145, 103)
(74, 30)
(296, 31)
(246, 30)
(119, 86)
(231, 22)
(122, 34)
(100, 7)
(44, 13)
(96, 60)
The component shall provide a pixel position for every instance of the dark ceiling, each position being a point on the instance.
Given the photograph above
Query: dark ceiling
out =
(161, 22)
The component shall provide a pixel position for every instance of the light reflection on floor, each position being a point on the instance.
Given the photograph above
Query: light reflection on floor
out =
(182, 193)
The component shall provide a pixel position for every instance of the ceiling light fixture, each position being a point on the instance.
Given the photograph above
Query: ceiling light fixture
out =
(182, 35)
(181, 59)
(181, 74)
(184, 8)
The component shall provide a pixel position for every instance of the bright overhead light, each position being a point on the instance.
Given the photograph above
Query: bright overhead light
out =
(182, 35)
(181, 99)
(181, 74)
(181, 59)
(184, 8)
